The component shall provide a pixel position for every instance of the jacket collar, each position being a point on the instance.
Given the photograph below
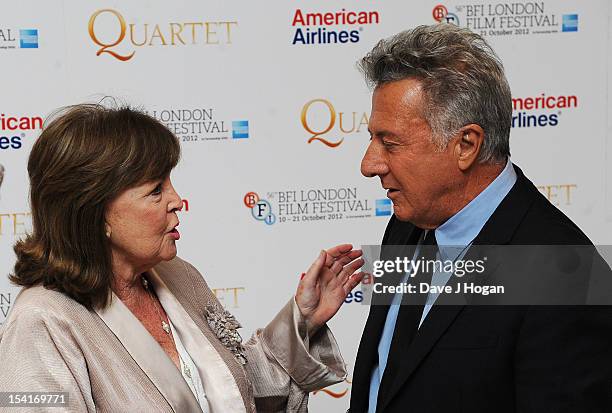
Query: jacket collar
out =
(149, 355)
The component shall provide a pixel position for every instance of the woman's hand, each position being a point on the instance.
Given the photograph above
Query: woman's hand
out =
(326, 284)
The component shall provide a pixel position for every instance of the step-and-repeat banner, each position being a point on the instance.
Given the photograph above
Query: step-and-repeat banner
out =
(272, 112)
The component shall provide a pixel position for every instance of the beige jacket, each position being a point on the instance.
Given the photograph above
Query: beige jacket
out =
(108, 362)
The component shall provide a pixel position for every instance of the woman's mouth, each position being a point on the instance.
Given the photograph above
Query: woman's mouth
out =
(175, 234)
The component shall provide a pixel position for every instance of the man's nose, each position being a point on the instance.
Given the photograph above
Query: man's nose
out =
(373, 162)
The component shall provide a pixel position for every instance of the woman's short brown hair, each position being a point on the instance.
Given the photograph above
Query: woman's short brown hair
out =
(85, 157)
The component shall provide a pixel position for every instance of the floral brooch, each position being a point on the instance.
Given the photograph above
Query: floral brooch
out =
(225, 326)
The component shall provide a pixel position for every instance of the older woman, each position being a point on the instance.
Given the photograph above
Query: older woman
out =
(113, 318)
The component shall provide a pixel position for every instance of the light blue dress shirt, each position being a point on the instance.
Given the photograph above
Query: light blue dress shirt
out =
(453, 237)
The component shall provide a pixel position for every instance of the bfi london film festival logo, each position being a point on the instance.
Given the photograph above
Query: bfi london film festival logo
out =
(339, 27)
(314, 204)
(508, 18)
(14, 129)
(541, 110)
(194, 124)
(325, 124)
(261, 209)
(11, 39)
(119, 38)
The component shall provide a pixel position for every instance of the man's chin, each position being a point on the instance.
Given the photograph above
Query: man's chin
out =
(401, 214)
(408, 215)
(404, 219)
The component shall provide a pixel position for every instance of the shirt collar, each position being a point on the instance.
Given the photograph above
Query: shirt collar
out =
(461, 229)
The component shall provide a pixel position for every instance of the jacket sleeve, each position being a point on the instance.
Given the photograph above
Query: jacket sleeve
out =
(285, 364)
(39, 356)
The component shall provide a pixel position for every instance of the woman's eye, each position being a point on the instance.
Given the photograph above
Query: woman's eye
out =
(157, 190)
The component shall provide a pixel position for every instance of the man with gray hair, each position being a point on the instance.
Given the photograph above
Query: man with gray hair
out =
(440, 126)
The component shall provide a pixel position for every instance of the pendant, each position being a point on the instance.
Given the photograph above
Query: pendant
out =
(166, 327)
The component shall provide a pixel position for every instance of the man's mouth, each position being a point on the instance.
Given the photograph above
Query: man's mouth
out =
(391, 191)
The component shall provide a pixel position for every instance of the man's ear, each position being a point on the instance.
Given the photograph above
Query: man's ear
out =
(467, 145)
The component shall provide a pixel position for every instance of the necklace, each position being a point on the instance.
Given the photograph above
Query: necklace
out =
(165, 326)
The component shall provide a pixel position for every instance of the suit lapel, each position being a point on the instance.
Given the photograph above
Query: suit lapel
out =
(497, 231)
(148, 354)
(397, 233)
(367, 357)
(437, 322)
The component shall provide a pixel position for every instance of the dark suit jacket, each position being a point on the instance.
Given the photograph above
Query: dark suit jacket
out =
(496, 358)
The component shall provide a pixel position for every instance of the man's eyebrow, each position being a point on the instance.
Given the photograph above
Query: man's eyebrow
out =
(382, 133)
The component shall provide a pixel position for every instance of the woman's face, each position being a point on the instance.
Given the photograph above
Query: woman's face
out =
(142, 224)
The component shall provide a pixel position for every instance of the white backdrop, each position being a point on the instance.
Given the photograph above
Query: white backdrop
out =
(245, 92)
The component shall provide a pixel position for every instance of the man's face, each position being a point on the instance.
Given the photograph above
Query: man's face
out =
(420, 178)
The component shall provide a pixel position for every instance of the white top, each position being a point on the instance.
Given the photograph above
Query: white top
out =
(189, 371)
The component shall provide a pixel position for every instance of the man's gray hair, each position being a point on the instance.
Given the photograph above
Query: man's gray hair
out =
(462, 80)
